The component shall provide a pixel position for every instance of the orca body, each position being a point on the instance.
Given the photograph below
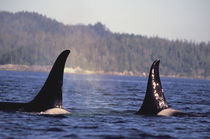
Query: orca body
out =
(154, 102)
(49, 99)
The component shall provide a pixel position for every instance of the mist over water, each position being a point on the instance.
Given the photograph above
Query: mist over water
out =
(104, 107)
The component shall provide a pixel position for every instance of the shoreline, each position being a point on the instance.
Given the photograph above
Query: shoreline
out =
(78, 70)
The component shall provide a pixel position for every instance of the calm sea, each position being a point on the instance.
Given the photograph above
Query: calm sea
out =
(104, 107)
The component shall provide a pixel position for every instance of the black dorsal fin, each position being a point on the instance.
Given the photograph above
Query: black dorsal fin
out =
(154, 100)
(50, 96)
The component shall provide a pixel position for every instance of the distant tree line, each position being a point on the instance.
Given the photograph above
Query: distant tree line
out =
(33, 39)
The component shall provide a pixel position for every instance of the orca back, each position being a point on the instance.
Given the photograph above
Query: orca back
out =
(154, 100)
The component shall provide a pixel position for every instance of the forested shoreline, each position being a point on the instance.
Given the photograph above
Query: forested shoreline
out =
(28, 38)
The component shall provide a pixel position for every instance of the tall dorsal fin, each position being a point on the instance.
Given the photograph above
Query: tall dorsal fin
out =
(50, 96)
(154, 100)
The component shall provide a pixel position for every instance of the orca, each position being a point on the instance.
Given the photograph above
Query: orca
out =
(154, 101)
(49, 98)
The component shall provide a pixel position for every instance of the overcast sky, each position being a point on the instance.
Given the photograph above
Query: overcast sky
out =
(172, 19)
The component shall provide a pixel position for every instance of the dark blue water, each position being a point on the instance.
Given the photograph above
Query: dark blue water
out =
(104, 107)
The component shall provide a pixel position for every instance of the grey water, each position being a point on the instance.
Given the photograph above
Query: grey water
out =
(104, 107)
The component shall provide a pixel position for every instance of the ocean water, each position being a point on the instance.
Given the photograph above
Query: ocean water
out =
(104, 107)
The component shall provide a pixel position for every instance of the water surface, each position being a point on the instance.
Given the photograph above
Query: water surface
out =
(104, 107)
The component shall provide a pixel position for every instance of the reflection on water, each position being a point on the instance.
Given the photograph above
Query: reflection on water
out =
(104, 107)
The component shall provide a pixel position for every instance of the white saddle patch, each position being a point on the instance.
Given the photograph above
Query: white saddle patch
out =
(55, 111)
(169, 112)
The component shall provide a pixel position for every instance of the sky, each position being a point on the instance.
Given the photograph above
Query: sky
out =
(170, 19)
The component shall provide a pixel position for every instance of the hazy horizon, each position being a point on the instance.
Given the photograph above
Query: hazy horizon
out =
(183, 20)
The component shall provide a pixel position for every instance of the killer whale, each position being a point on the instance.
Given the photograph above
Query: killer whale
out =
(154, 101)
(49, 98)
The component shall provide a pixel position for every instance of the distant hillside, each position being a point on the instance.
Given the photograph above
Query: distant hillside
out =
(33, 39)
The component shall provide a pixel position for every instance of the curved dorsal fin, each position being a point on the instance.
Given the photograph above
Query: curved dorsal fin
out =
(50, 96)
(154, 100)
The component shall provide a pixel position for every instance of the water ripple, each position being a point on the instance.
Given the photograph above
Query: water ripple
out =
(105, 107)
